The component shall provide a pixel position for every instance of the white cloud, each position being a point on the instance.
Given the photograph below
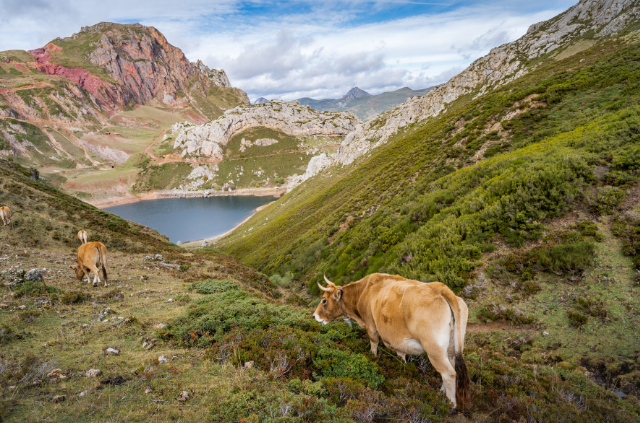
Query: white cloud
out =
(280, 50)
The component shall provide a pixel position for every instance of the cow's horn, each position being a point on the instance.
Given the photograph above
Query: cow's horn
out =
(323, 288)
(327, 280)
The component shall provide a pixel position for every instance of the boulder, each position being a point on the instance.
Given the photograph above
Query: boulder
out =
(33, 275)
(93, 373)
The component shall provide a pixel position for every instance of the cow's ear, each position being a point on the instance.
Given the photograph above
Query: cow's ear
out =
(339, 294)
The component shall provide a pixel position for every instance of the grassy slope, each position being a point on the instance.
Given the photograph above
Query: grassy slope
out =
(301, 371)
(424, 209)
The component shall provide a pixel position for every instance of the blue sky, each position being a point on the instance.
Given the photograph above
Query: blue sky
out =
(293, 49)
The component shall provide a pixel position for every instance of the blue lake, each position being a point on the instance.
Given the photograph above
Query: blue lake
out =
(191, 219)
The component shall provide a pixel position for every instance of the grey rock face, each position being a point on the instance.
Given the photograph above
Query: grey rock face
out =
(261, 100)
(33, 275)
(289, 117)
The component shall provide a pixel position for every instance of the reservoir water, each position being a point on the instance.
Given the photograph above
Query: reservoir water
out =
(191, 219)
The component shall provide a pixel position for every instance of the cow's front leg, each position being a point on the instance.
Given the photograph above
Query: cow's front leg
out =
(375, 340)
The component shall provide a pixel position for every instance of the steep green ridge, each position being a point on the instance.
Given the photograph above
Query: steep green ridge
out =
(365, 107)
(514, 195)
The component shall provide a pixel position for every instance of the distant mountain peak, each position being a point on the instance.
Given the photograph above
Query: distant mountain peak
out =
(261, 100)
(354, 93)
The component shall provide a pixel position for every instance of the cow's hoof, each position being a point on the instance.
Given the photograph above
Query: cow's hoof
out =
(95, 284)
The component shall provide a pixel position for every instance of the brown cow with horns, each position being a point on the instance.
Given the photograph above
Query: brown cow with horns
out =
(410, 317)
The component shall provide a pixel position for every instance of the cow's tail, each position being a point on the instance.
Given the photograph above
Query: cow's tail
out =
(462, 374)
(102, 251)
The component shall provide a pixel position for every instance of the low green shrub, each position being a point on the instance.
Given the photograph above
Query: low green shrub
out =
(214, 286)
(336, 363)
(576, 318)
(74, 297)
(31, 289)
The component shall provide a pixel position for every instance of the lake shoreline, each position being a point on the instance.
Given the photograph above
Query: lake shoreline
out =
(196, 244)
(156, 195)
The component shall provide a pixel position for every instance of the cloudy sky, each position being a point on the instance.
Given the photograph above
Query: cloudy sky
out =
(293, 49)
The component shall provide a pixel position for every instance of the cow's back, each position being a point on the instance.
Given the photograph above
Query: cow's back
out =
(89, 253)
(399, 307)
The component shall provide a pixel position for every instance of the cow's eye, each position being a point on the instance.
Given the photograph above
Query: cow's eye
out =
(324, 302)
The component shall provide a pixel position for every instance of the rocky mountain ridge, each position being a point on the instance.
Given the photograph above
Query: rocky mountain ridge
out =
(96, 101)
(289, 117)
(590, 21)
(354, 93)
(363, 104)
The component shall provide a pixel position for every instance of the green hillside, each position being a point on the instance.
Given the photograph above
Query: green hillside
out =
(530, 213)
(201, 337)
(365, 107)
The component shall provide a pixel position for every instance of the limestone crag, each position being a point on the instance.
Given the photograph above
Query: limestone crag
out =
(290, 118)
(501, 66)
(139, 60)
(218, 77)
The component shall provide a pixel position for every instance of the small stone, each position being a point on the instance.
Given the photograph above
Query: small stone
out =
(163, 359)
(11, 388)
(111, 351)
(85, 326)
(82, 394)
(3, 305)
(55, 373)
(170, 300)
(59, 398)
(248, 364)
(184, 396)
(149, 346)
(93, 372)
(148, 391)
(545, 333)
(159, 326)
(22, 307)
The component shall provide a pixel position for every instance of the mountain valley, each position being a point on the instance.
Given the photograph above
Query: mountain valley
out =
(516, 184)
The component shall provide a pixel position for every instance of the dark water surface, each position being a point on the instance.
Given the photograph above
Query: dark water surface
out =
(191, 219)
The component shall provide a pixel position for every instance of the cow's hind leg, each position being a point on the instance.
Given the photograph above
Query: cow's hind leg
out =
(96, 275)
(440, 361)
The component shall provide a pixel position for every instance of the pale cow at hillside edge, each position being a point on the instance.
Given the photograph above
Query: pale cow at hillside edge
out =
(5, 214)
(410, 317)
(92, 256)
(83, 236)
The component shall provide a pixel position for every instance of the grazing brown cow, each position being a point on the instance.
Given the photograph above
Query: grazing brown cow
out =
(83, 236)
(5, 214)
(91, 256)
(410, 317)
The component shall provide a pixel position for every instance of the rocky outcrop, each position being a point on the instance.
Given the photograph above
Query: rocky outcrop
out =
(290, 118)
(501, 66)
(218, 77)
(140, 64)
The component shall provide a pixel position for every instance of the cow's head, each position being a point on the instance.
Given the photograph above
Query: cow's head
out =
(79, 272)
(331, 307)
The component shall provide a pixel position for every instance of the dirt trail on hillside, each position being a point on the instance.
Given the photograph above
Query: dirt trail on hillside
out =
(502, 326)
